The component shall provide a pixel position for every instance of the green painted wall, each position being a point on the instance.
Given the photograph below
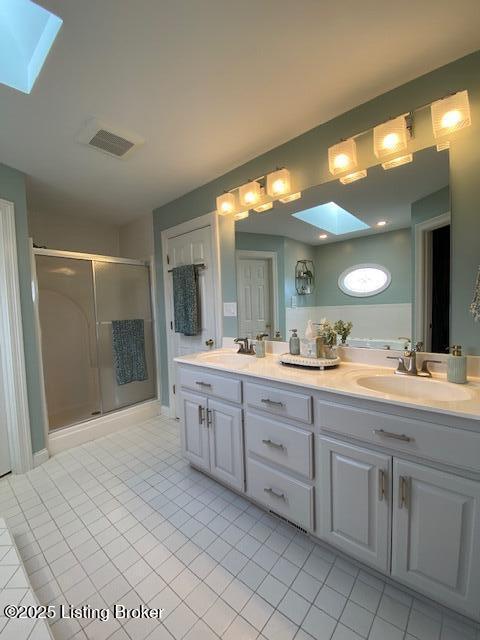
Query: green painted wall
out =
(306, 157)
(12, 188)
(424, 209)
(391, 250)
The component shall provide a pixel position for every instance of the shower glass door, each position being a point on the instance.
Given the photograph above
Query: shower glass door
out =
(69, 342)
(97, 336)
(122, 294)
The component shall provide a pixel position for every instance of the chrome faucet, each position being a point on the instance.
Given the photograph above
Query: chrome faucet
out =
(246, 346)
(407, 364)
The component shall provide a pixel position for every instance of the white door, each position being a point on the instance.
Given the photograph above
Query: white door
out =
(194, 247)
(436, 534)
(4, 448)
(226, 443)
(353, 500)
(254, 297)
(194, 431)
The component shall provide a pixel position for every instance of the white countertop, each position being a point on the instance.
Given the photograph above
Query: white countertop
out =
(342, 380)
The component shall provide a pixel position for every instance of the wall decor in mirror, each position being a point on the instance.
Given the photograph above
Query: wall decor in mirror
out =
(380, 251)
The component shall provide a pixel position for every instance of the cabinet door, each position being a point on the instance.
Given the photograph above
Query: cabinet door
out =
(436, 534)
(226, 443)
(194, 432)
(353, 500)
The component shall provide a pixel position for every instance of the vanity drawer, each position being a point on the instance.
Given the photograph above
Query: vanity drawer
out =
(280, 443)
(457, 447)
(211, 384)
(281, 493)
(288, 404)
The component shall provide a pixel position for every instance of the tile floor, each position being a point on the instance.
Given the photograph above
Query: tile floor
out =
(125, 520)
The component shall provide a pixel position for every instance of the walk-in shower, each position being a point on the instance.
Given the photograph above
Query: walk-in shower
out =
(97, 340)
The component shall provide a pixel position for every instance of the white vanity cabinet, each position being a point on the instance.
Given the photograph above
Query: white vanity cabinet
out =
(436, 534)
(212, 434)
(368, 499)
(354, 500)
(395, 488)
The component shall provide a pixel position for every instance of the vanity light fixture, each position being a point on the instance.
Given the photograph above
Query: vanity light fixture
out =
(391, 138)
(249, 194)
(266, 206)
(278, 183)
(397, 162)
(323, 236)
(381, 223)
(291, 197)
(353, 177)
(241, 215)
(226, 203)
(342, 156)
(449, 115)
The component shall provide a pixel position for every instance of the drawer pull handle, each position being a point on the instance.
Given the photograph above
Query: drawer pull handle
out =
(382, 476)
(270, 443)
(394, 436)
(273, 403)
(201, 414)
(203, 384)
(269, 490)
(403, 486)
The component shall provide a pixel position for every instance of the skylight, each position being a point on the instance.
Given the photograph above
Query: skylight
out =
(332, 218)
(27, 32)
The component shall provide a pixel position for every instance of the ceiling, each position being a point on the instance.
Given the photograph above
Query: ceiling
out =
(383, 195)
(208, 85)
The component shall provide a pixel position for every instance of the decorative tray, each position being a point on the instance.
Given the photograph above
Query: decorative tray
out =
(302, 361)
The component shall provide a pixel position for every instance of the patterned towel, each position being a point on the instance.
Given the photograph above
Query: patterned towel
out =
(475, 306)
(186, 304)
(128, 342)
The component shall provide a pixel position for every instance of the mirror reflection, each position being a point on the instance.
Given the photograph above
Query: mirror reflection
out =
(374, 253)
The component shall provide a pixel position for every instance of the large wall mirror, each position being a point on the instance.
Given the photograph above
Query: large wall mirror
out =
(377, 252)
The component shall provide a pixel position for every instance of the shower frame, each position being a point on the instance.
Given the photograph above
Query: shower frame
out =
(92, 257)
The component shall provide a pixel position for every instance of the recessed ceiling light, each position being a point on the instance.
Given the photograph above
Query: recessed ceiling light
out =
(322, 236)
(381, 223)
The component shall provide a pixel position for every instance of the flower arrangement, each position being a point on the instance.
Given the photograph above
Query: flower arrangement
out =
(343, 329)
(327, 332)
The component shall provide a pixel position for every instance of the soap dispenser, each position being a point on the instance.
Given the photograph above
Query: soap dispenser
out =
(294, 343)
(260, 345)
(457, 366)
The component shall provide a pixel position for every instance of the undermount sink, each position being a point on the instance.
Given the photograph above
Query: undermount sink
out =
(416, 388)
(227, 359)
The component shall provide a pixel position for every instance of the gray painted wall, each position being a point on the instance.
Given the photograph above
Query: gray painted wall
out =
(391, 250)
(12, 188)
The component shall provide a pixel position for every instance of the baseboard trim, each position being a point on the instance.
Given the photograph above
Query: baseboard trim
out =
(102, 426)
(165, 411)
(39, 457)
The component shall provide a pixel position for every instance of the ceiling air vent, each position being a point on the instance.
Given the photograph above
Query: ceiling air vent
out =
(108, 139)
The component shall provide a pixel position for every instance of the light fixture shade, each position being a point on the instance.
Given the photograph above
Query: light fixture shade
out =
(241, 215)
(226, 204)
(278, 183)
(390, 137)
(450, 114)
(342, 157)
(353, 177)
(397, 162)
(249, 194)
(266, 206)
(291, 197)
